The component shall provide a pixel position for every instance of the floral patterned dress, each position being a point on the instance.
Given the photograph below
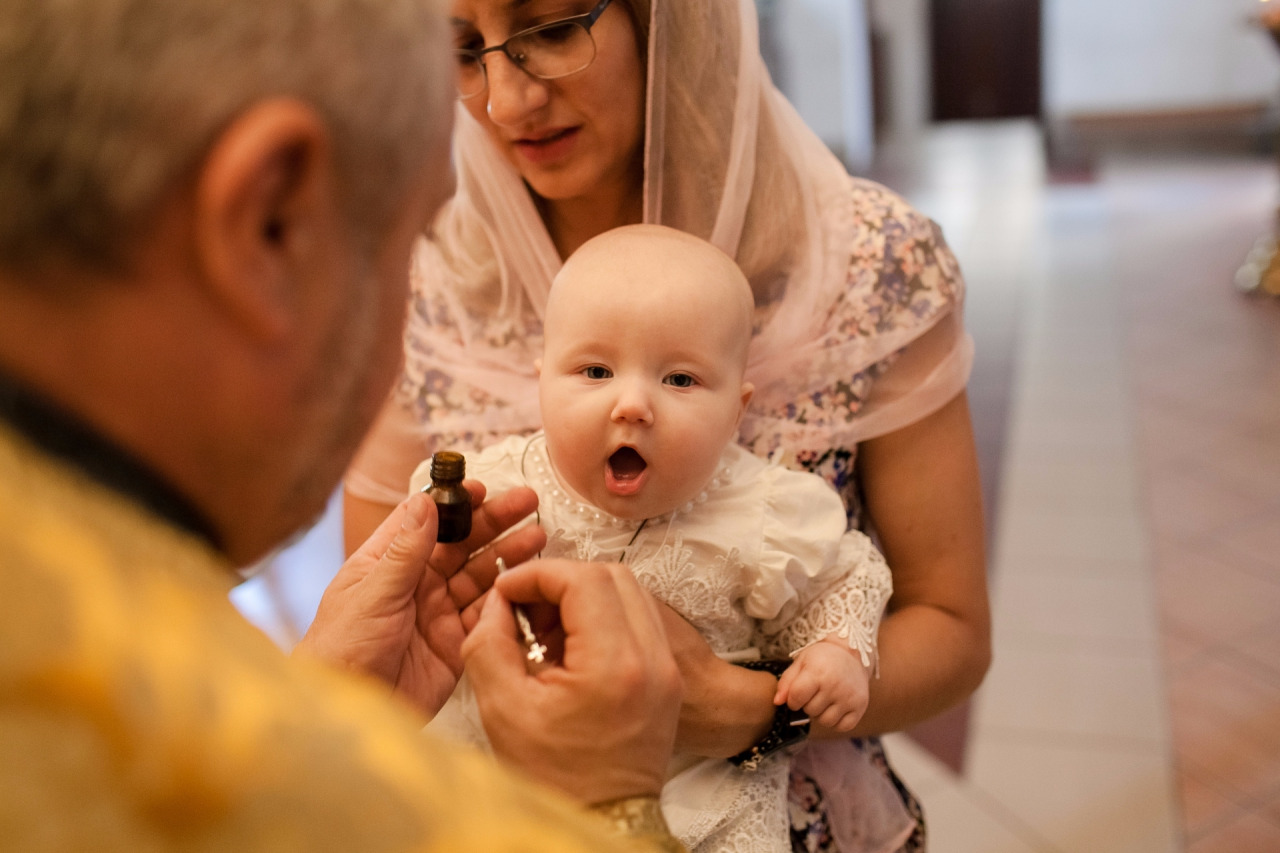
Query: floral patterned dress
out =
(901, 300)
(761, 562)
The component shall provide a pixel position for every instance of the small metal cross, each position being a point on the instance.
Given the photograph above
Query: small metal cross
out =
(537, 651)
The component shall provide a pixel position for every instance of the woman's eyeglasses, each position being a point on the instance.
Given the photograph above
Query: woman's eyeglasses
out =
(548, 51)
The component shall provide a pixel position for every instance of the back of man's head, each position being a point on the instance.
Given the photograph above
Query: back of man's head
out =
(105, 105)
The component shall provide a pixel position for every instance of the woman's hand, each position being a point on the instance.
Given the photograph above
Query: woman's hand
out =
(400, 607)
(726, 708)
(600, 722)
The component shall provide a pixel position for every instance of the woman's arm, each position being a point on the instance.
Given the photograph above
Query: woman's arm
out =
(392, 449)
(360, 518)
(924, 498)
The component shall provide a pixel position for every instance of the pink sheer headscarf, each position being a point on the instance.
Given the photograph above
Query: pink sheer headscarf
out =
(726, 158)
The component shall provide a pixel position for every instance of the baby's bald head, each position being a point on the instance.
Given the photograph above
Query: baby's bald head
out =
(657, 275)
(642, 380)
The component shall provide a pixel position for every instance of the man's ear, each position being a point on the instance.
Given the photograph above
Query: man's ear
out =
(259, 196)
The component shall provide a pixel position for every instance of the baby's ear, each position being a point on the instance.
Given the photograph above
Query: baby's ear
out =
(537, 366)
(747, 390)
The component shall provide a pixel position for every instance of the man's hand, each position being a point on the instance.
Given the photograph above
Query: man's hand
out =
(400, 607)
(829, 681)
(599, 724)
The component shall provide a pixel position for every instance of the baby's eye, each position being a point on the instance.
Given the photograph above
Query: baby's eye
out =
(595, 371)
(681, 380)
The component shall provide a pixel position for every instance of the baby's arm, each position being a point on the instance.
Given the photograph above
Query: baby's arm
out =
(838, 584)
(830, 682)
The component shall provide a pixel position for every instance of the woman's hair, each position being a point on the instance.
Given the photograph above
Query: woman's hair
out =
(728, 160)
(106, 104)
(700, 134)
(639, 12)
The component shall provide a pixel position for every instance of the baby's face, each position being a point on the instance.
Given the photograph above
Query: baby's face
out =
(641, 377)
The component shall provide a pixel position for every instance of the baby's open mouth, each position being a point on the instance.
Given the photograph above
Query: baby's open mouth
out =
(626, 464)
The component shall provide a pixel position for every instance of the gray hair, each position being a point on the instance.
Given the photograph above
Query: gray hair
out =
(105, 105)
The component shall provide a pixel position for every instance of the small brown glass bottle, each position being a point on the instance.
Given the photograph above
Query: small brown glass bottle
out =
(453, 501)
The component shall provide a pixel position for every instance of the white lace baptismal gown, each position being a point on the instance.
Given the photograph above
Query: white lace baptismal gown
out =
(759, 560)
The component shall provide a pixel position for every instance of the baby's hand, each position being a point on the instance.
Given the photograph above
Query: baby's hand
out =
(829, 681)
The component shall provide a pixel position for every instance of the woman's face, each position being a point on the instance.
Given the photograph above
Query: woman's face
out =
(572, 138)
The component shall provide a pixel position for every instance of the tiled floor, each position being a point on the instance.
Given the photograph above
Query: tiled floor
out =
(1209, 428)
(1127, 403)
(1134, 703)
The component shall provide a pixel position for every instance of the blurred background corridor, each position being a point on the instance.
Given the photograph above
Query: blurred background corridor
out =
(1107, 175)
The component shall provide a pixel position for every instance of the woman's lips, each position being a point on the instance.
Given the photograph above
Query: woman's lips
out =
(549, 148)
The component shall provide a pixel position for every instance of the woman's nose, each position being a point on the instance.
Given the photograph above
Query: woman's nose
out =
(513, 93)
(633, 405)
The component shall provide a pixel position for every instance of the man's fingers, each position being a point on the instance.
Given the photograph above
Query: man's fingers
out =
(499, 513)
(477, 575)
(488, 520)
(492, 655)
(374, 584)
(403, 558)
(611, 704)
(537, 581)
(477, 490)
(642, 609)
(470, 614)
(591, 609)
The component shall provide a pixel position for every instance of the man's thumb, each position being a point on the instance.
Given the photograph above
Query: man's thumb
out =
(402, 564)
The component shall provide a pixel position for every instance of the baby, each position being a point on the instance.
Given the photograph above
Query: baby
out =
(642, 390)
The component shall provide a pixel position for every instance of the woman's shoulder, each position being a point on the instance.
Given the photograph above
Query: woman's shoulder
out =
(901, 268)
(877, 207)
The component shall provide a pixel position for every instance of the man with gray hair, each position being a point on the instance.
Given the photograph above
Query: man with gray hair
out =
(206, 212)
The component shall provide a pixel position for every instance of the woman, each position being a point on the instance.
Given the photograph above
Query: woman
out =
(859, 360)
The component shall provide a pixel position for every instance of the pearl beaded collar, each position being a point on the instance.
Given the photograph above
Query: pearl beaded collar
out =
(537, 463)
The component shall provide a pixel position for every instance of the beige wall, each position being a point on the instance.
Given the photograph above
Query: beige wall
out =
(825, 71)
(1150, 55)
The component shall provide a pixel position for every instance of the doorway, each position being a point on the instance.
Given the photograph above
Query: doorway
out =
(986, 59)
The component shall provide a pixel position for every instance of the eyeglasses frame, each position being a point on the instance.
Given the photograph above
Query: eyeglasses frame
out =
(586, 20)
